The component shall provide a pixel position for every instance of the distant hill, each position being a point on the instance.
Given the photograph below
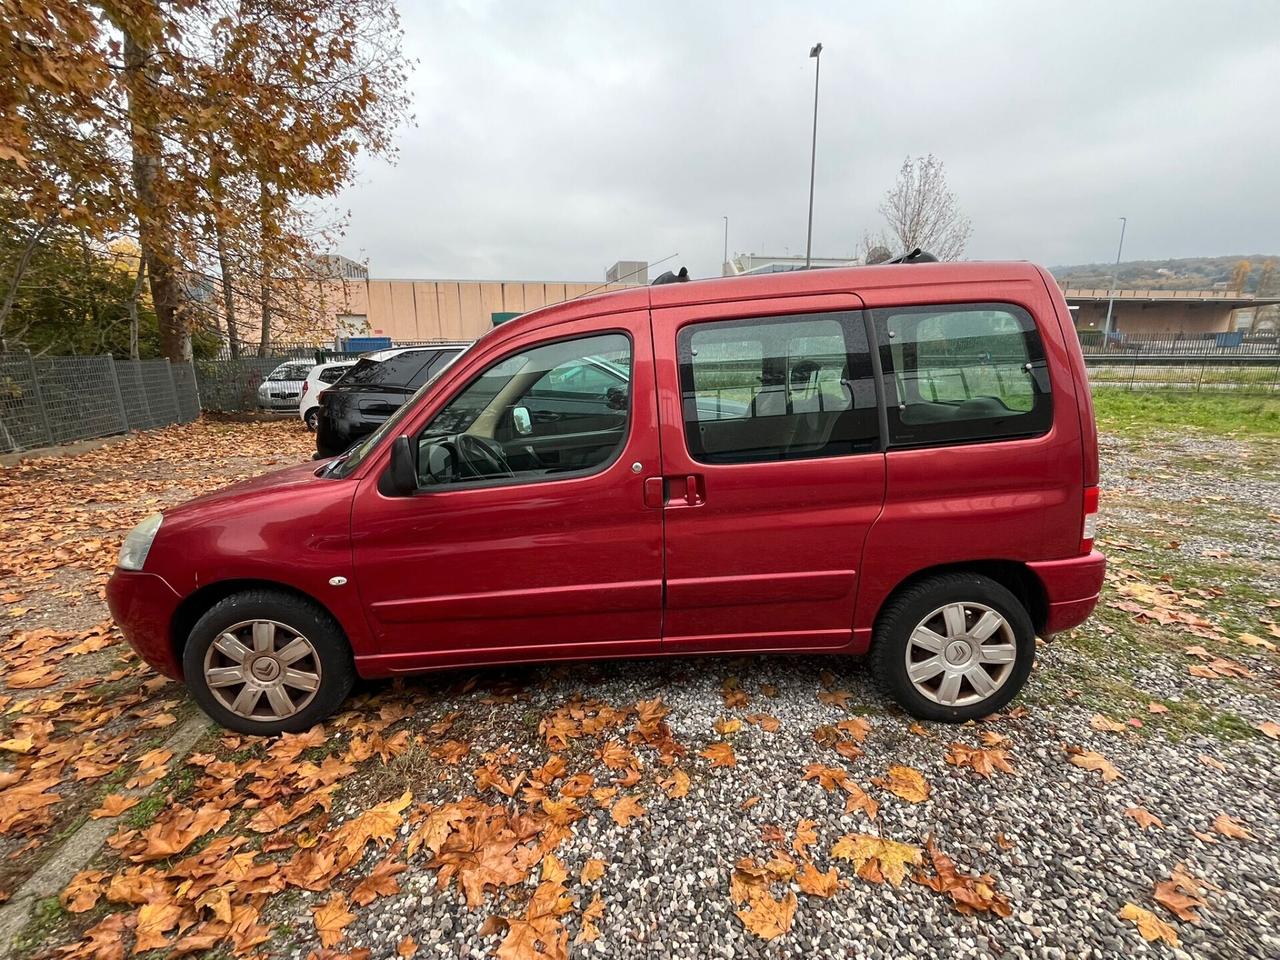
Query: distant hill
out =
(1188, 273)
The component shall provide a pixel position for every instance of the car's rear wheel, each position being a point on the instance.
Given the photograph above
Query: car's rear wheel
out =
(954, 647)
(266, 662)
(312, 419)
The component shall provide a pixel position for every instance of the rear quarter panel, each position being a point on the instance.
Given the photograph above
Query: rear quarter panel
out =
(1017, 500)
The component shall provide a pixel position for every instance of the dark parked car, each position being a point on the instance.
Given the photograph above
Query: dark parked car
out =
(374, 389)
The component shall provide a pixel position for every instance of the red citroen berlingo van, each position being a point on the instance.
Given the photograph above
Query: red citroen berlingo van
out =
(898, 459)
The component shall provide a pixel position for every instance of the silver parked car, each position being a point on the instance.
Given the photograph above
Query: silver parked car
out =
(283, 386)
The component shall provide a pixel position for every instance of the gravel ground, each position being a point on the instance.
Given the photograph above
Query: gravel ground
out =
(1054, 837)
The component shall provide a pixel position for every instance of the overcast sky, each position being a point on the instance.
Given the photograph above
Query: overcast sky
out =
(552, 139)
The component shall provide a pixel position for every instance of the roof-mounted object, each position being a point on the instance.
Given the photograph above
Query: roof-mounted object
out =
(669, 277)
(915, 256)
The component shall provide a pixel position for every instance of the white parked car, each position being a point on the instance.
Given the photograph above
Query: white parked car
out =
(283, 385)
(321, 375)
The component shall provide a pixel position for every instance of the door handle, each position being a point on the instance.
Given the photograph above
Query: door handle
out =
(693, 492)
(654, 492)
(658, 491)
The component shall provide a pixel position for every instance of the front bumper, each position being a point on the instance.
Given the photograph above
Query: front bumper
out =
(1072, 587)
(143, 606)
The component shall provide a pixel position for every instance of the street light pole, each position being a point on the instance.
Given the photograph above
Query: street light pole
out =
(815, 54)
(724, 264)
(1111, 294)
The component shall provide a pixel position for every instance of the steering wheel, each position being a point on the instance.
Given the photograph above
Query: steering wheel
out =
(476, 451)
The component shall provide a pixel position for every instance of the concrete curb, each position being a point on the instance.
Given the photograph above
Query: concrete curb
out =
(80, 848)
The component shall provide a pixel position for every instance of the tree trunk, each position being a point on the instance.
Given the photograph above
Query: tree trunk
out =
(264, 264)
(264, 344)
(228, 290)
(133, 309)
(19, 271)
(154, 233)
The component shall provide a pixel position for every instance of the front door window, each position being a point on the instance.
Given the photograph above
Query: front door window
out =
(556, 410)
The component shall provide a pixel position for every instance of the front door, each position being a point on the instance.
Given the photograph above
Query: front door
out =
(529, 536)
(773, 471)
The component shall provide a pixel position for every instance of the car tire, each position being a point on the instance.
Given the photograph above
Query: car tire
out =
(932, 639)
(266, 662)
(312, 419)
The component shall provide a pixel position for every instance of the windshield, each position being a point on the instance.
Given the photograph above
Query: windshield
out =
(291, 371)
(349, 461)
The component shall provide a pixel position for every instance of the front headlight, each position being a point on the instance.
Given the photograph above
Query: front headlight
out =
(133, 553)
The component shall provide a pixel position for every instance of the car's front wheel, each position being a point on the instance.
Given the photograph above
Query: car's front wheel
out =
(266, 662)
(954, 647)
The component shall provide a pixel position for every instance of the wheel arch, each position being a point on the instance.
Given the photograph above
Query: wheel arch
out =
(1014, 576)
(201, 601)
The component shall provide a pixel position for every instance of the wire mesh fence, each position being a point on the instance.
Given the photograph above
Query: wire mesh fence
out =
(45, 401)
(233, 385)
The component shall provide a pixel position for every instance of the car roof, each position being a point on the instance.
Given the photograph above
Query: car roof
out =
(390, 352)
(773, 285)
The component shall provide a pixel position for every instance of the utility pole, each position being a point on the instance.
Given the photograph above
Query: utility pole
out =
(724, 264)
(1111, 297)
(815, 53)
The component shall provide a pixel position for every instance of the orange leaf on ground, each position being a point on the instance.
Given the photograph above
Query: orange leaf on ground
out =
(407, 947)
(154, 920)
(1149, 925)
(1231, 827)
(733, 694)
(983, 762)
(626, 810)
(381, 882)
(876, 859)
(113, 805)
(1144, 817)
(970, 894)
(331, 920)
(1106, 724)
(720, 754)
(806, 836)
(677, 785)
(906, 783)
(592, 871)
(592, 915)
(768, 918)
(817, 884)
(1181, 895)
(1088, 760)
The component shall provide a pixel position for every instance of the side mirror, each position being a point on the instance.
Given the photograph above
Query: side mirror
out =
(401, 478)
(521, 421)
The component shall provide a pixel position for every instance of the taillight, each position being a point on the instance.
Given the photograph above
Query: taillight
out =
(321, 395)
(1090, 528)
(305, 387)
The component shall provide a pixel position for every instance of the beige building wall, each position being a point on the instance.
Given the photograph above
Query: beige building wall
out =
(436, 309)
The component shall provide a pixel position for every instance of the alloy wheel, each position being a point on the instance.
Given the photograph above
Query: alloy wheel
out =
(961, 654)
(262, 670)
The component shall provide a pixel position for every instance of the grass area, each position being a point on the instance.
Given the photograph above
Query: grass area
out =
(1122, 411)
(45, 915)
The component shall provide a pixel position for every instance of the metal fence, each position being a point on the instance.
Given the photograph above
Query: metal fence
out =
(1212, 373)
(45, 401)
(1238, 343)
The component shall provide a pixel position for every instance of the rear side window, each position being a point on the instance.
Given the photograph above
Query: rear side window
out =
(397, 371)
(958, 373)
(778, 388)
(433, 366)
(332, 374)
